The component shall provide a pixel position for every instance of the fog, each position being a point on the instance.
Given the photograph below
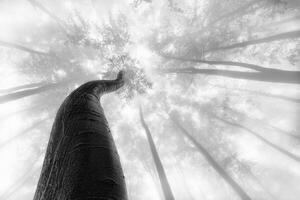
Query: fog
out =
(217, 84)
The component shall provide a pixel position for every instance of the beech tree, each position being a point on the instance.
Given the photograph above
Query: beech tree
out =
(81, 161)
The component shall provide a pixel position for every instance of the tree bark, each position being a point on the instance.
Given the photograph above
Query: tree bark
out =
(235, 186)
(22, 48)
(160, 169)
(274, 76)
(81, 160)
(281, 36)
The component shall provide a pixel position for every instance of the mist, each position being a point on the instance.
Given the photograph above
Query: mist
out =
(210, 104)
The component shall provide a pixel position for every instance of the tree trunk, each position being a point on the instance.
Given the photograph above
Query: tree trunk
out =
(160, 169)
(274, 76)
(281, 36)
(81, 160)
(28, 92)
(22, 48)
(274, 146)
(21, 87)
(226, 63)
(235, 186)
(259, 93)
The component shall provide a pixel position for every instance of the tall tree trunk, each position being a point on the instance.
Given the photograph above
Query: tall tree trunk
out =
(274, 146)
(259, 93)
(81, 160)
(22, 48)
(235, 186)
(274, 76)
(22, 87)
(32, 91)
(226, 63)
(281, 36)
(160, 169)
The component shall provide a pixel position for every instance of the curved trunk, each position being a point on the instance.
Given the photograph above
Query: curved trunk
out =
(159, 167)
(81, 161)
(235, 186)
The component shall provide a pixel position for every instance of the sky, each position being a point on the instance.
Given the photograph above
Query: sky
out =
(250, 127)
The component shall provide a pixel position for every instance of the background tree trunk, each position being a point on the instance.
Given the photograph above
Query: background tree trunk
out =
(160, 169)
(235, 186)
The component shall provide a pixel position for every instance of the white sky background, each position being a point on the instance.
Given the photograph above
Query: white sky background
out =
(188, 172)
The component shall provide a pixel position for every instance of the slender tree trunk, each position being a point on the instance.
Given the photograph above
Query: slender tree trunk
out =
(29, 92)
(281, 36)
(22, 87)
(275, 96)
(226, 63)
(276, 76)
(160, 169)
(235, 186)
(22, 48)
(274, 146)
(81, 160)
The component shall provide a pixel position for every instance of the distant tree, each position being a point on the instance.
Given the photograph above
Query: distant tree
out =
(281, 36)
(264, 140)
(23, 48)
(81, 161)
(259, 93)
(275, 76)
(235, 186)
(159, 167)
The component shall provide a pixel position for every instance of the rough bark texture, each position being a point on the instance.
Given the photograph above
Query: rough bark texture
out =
(81, 161)
(235, 186)
(160, 169)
